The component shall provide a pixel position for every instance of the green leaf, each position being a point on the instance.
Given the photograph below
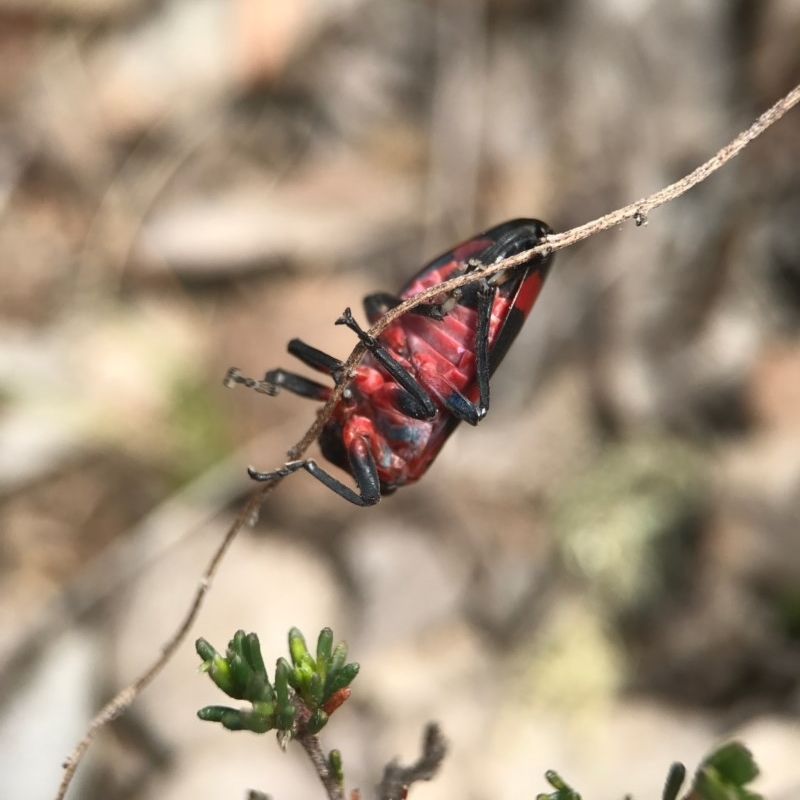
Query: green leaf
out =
(734, 763)
(205, 650)
(236, 643)
(241, 675)
(285, 718)
(725, 773)
(215, 713)
(252, 654)
(287, 672)
(675, 778)
(254, 722)
(219, 671)
(338, 658)
(313, 696)
(303, 674)
(324, 648)
(297, 647)
(282, 679)
(337, 767)
(265, 711)
(343, 677)
(318, 720)
(563, 790)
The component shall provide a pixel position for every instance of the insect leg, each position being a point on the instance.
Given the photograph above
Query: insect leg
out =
(283, 379)
(457, 403)
(297, 384)
(362, 466)
(417, 394)
(279, 379)
(234, 376)
(314, 358)
(482, 369)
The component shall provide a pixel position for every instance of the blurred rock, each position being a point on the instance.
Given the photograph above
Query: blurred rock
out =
(31, 754)
(81, 10)
(407, 582)
(775, 386)
(325, 215)
(173, 63)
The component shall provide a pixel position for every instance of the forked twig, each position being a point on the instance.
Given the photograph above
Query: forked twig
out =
(397, 778)
(638, 211)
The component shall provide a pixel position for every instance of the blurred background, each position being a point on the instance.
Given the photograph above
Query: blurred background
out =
(603, 578)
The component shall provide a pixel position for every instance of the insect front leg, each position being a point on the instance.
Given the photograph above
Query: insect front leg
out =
(280, 379)
(362, 466)
(419, 403)
(284, 379)
(317, 359)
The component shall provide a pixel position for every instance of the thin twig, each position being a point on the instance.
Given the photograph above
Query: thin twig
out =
(638, 210)
(124, 698)
(397, 778)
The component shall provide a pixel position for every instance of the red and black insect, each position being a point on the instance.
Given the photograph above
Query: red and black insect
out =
(428, 371)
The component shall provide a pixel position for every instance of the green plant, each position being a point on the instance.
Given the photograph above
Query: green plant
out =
(301, 697)
(303, 694)
(298, 703)
(723, 775)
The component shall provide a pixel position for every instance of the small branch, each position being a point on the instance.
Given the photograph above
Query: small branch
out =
(397, 779)
(310, 743)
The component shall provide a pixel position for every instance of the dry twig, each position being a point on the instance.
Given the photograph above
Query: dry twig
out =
(637, 211)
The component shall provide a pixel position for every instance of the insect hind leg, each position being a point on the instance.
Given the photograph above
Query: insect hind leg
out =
(364, 472)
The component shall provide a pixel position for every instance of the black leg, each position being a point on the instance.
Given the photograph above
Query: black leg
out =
(362, 466)
(283, 379)
(234, 376)
(426, 409)
(314, 358)
(458, 404)
(297, 384)
(378, 303)
(279, 379)
(485, 302)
